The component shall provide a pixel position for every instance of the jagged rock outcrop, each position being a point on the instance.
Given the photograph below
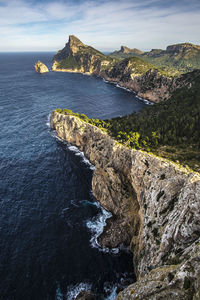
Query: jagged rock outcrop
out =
(154, 201)
(78, 57)
(40, 67)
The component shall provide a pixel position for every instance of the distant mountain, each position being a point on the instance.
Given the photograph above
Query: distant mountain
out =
(183, 57)
(126, 52)
(178, 58)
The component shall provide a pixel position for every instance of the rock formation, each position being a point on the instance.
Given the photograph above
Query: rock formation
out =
(78, 57)
(155, 206)
(40, 67)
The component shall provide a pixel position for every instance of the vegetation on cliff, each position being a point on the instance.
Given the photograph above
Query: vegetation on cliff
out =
(129, 68)
(170, 129)
(178, 58)
(80, 57)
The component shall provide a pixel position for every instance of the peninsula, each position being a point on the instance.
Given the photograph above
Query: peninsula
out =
(134, 73)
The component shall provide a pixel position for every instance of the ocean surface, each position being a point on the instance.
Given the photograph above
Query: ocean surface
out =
(49, 219)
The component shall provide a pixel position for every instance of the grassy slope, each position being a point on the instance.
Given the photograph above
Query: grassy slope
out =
(170, 129)
(74, 62)
(133, 65)
(182, 65)
(170, 64)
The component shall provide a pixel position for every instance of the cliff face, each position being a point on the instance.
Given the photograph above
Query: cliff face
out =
(151, 84)
(40, 67)
(155, 206)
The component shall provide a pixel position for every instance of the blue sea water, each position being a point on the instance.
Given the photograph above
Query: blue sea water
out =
(48, 215)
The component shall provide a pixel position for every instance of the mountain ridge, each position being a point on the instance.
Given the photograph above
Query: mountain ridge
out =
(182, 57)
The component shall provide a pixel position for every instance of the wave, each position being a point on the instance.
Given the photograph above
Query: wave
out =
(74, 290)
(123, 88)
(110, 290)
(96, 226)
(74, 149)
(144, 100)
(130, 91)
(48, 120)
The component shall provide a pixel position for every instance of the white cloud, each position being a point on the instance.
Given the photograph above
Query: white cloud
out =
(105, 25)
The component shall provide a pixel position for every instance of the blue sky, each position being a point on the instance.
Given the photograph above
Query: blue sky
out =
(44, 25)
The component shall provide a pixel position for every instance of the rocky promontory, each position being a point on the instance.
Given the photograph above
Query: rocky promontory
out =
(154, 201)
(78, 57)
(133, 73)
(40, 67)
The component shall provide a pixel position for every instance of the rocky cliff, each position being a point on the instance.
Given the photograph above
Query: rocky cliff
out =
(132, 73)
(155, 206)
(40, 67)
(148, 82)
(78, 57)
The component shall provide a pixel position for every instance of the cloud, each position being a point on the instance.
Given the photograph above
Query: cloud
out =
(44, 25)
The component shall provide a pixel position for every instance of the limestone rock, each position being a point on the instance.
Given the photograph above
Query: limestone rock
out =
(157, 204)
(40, 67)
(174, 282)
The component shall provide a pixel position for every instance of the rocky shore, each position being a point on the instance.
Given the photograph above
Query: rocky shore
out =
(155, 206)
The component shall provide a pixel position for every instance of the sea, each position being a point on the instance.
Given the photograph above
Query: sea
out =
(49, 218)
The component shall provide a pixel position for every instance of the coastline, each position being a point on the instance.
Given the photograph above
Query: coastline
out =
(157, 200)
(117, 84)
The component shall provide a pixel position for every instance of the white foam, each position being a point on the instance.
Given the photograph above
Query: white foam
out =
(48, 120)
(74, 149)
(74, 290)
(112, 290)
(121, 87)
(96, 226)
(59, 295)
(128, 90)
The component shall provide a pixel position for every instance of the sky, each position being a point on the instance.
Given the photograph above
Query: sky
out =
(44, 25)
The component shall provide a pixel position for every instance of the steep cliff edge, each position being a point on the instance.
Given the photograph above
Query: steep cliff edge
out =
(41, 68)
(143, 78)
(155, 202)
(133, 73)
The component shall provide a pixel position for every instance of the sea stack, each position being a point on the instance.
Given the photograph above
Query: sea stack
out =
(40, 67)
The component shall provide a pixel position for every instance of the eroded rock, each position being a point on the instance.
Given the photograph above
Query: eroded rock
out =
(41, 68)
